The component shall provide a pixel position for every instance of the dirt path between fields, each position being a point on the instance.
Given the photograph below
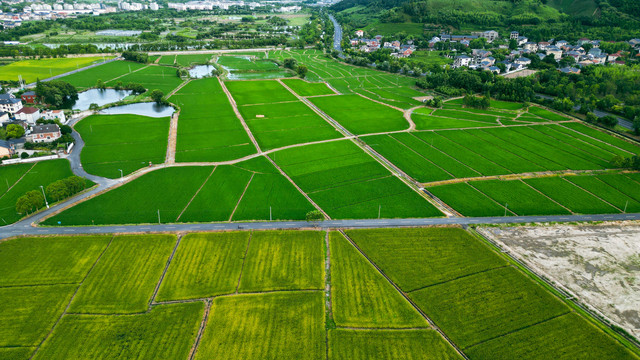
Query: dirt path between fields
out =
(170, 158)
(239, 116)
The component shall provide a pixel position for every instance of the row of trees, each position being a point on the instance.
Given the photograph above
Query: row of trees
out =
(56, 92)
(56, 191)
(135, 56)
(291, 63)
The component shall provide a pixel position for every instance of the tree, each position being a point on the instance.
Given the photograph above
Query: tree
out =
(14, 131)
(136, 88)
(157, 96)
(315, 215)
(617, 162)
(94, 107)
(29, 202)
(591, 118)
(290, 63)
(609, 121)
(56, 92)
(302, 71)
(100, 84)
(135, 56)
(636, 125)
(24, 155)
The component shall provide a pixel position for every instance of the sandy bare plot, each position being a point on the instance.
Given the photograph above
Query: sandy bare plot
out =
(599, 264)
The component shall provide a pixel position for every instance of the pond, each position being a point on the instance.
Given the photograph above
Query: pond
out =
(200, 71)
(100, 97)
(150, 109)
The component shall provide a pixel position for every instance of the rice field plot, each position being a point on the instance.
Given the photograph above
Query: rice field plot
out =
(571, 196)
(486, 305)
(41, 173)
(305, 88)
(287, 325)
(188, 60)
(504, 114)
(428, 122)
(348, 183)
(152, 77)
(412, 163)
(32, 70)
(205, 265)
(473, 160)
(259, 92)
(546, 114)
(519, 197)
(605, 192)
(46, 261)
(491, 152)
(282, 124)
(166, 332)
(124, 279)
(362, 297)
(389, 344)
(623, 184)
(396, 96)
(595, 142)
(629, 146)
(417, 258)
(284, 260)
(28, 313)
(88, 78)
(458, 114)
(167, 60)
(10, 174)
(565, 337)
(16, 353)
(468, 201)
(245, 68)
(359, 115)
(209, 129)
(142, 200)
(506, 105)
(109, 149)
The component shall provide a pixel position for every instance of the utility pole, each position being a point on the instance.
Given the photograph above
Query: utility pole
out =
(121, 175)
(158, 216)
(45, 197)
(625, 207)
(270, 214)
(379, 209)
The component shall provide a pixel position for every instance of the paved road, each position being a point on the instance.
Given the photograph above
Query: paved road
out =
(337, 35)
(599, 113)
(24, 227)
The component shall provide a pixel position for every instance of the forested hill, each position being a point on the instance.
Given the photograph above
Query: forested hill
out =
(550, 17)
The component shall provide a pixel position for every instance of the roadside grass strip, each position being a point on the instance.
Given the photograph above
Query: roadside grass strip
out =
(48, 261)
(205, 265)
(389, 344)
(347, 183)
(546, 114)
(166, 332)
(487, 305)
(428, 122)
(88, 78)
(124, 279)
(109, 149)
(42, 173)
(282, 325)
(283, 124)
(258, 92)
(163, 78)
(31, 70)
(284, 260)
(455, 114)
(304, 88)
(629, 146)
(519, 197)
(411, 162)
(360, 115)
(28, 313)
(571, 196)
(362, 297)
(565, 337)
(468, 201)
(606, 192)
(208, 128)
(417, 258)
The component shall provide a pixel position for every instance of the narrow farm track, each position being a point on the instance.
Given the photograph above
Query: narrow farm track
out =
(203, 324)
(164, 272)
(170, 158)
(234, 105)
(407, 116)
(414, 305)
(17, 181)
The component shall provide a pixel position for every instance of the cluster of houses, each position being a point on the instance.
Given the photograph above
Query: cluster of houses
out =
(370, 45)
(12, 111)
(520, 58)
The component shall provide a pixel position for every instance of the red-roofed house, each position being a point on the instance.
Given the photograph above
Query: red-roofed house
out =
(28, 114)
(29, 97)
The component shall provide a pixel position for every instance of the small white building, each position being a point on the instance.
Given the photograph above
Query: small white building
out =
(359, 33)
(4, 117)
(28, 114)
(10, 104)
(55, 115)
(462, 60)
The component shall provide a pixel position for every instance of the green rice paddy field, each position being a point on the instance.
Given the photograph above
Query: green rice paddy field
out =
(283, 294)
(32, 70)
(88, 78)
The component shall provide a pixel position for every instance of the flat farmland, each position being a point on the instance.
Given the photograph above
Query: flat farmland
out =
(389, 344)
(348, 183)
(606, 192)
(465, 115)
(167, 331)
(259, 92)
(284, 260)
(38, 174)
(283, 124)
(88, 78)
(205, 265)
(32, 70)
(362, 297)
(428, 122)
(188, 60)
(519, 197)
(124, 279)
(360, 115)
(305, 88)
(468, 201)
(108, 148)
(205, 135)
(42, 261)
(152, 77)
(571, 196)
(546, 114)
(606, 137)
(287, 325)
